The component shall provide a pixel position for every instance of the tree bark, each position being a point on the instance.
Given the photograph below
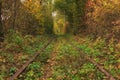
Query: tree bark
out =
(1, 27)
(14, 14)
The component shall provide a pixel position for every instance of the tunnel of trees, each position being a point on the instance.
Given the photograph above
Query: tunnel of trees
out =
(37, 16)
(60, 39)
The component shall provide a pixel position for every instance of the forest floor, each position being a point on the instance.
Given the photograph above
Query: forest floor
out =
(60, 60)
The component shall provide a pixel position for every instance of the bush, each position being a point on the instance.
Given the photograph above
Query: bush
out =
(103, 18)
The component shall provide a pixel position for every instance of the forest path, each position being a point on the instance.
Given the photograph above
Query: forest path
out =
(61, 60)
(51, 62)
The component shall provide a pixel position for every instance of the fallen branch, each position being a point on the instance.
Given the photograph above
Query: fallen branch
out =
(28, 62)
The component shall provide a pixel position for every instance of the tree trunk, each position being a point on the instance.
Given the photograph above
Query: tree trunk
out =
(14, 15)
(1, 27)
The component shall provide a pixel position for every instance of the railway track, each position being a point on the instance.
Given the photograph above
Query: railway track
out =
(19, 71)
(99, 67)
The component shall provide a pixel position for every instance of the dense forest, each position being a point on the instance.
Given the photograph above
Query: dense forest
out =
(59, 39)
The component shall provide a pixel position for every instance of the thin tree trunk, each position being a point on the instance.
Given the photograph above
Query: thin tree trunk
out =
(14, 15)
(1, 27)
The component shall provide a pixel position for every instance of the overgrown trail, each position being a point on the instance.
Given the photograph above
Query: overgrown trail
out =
(67, 58)
(48, 68)
(66, 62)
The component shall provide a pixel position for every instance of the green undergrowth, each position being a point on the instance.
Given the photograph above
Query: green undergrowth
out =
(35, 70)
(17, 49)
(70, 64)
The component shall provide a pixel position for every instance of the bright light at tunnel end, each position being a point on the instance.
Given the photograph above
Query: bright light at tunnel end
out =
(54, 14)
(22, 0)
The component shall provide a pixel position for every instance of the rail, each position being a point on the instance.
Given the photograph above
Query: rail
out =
(29, 61)
(104, 71)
